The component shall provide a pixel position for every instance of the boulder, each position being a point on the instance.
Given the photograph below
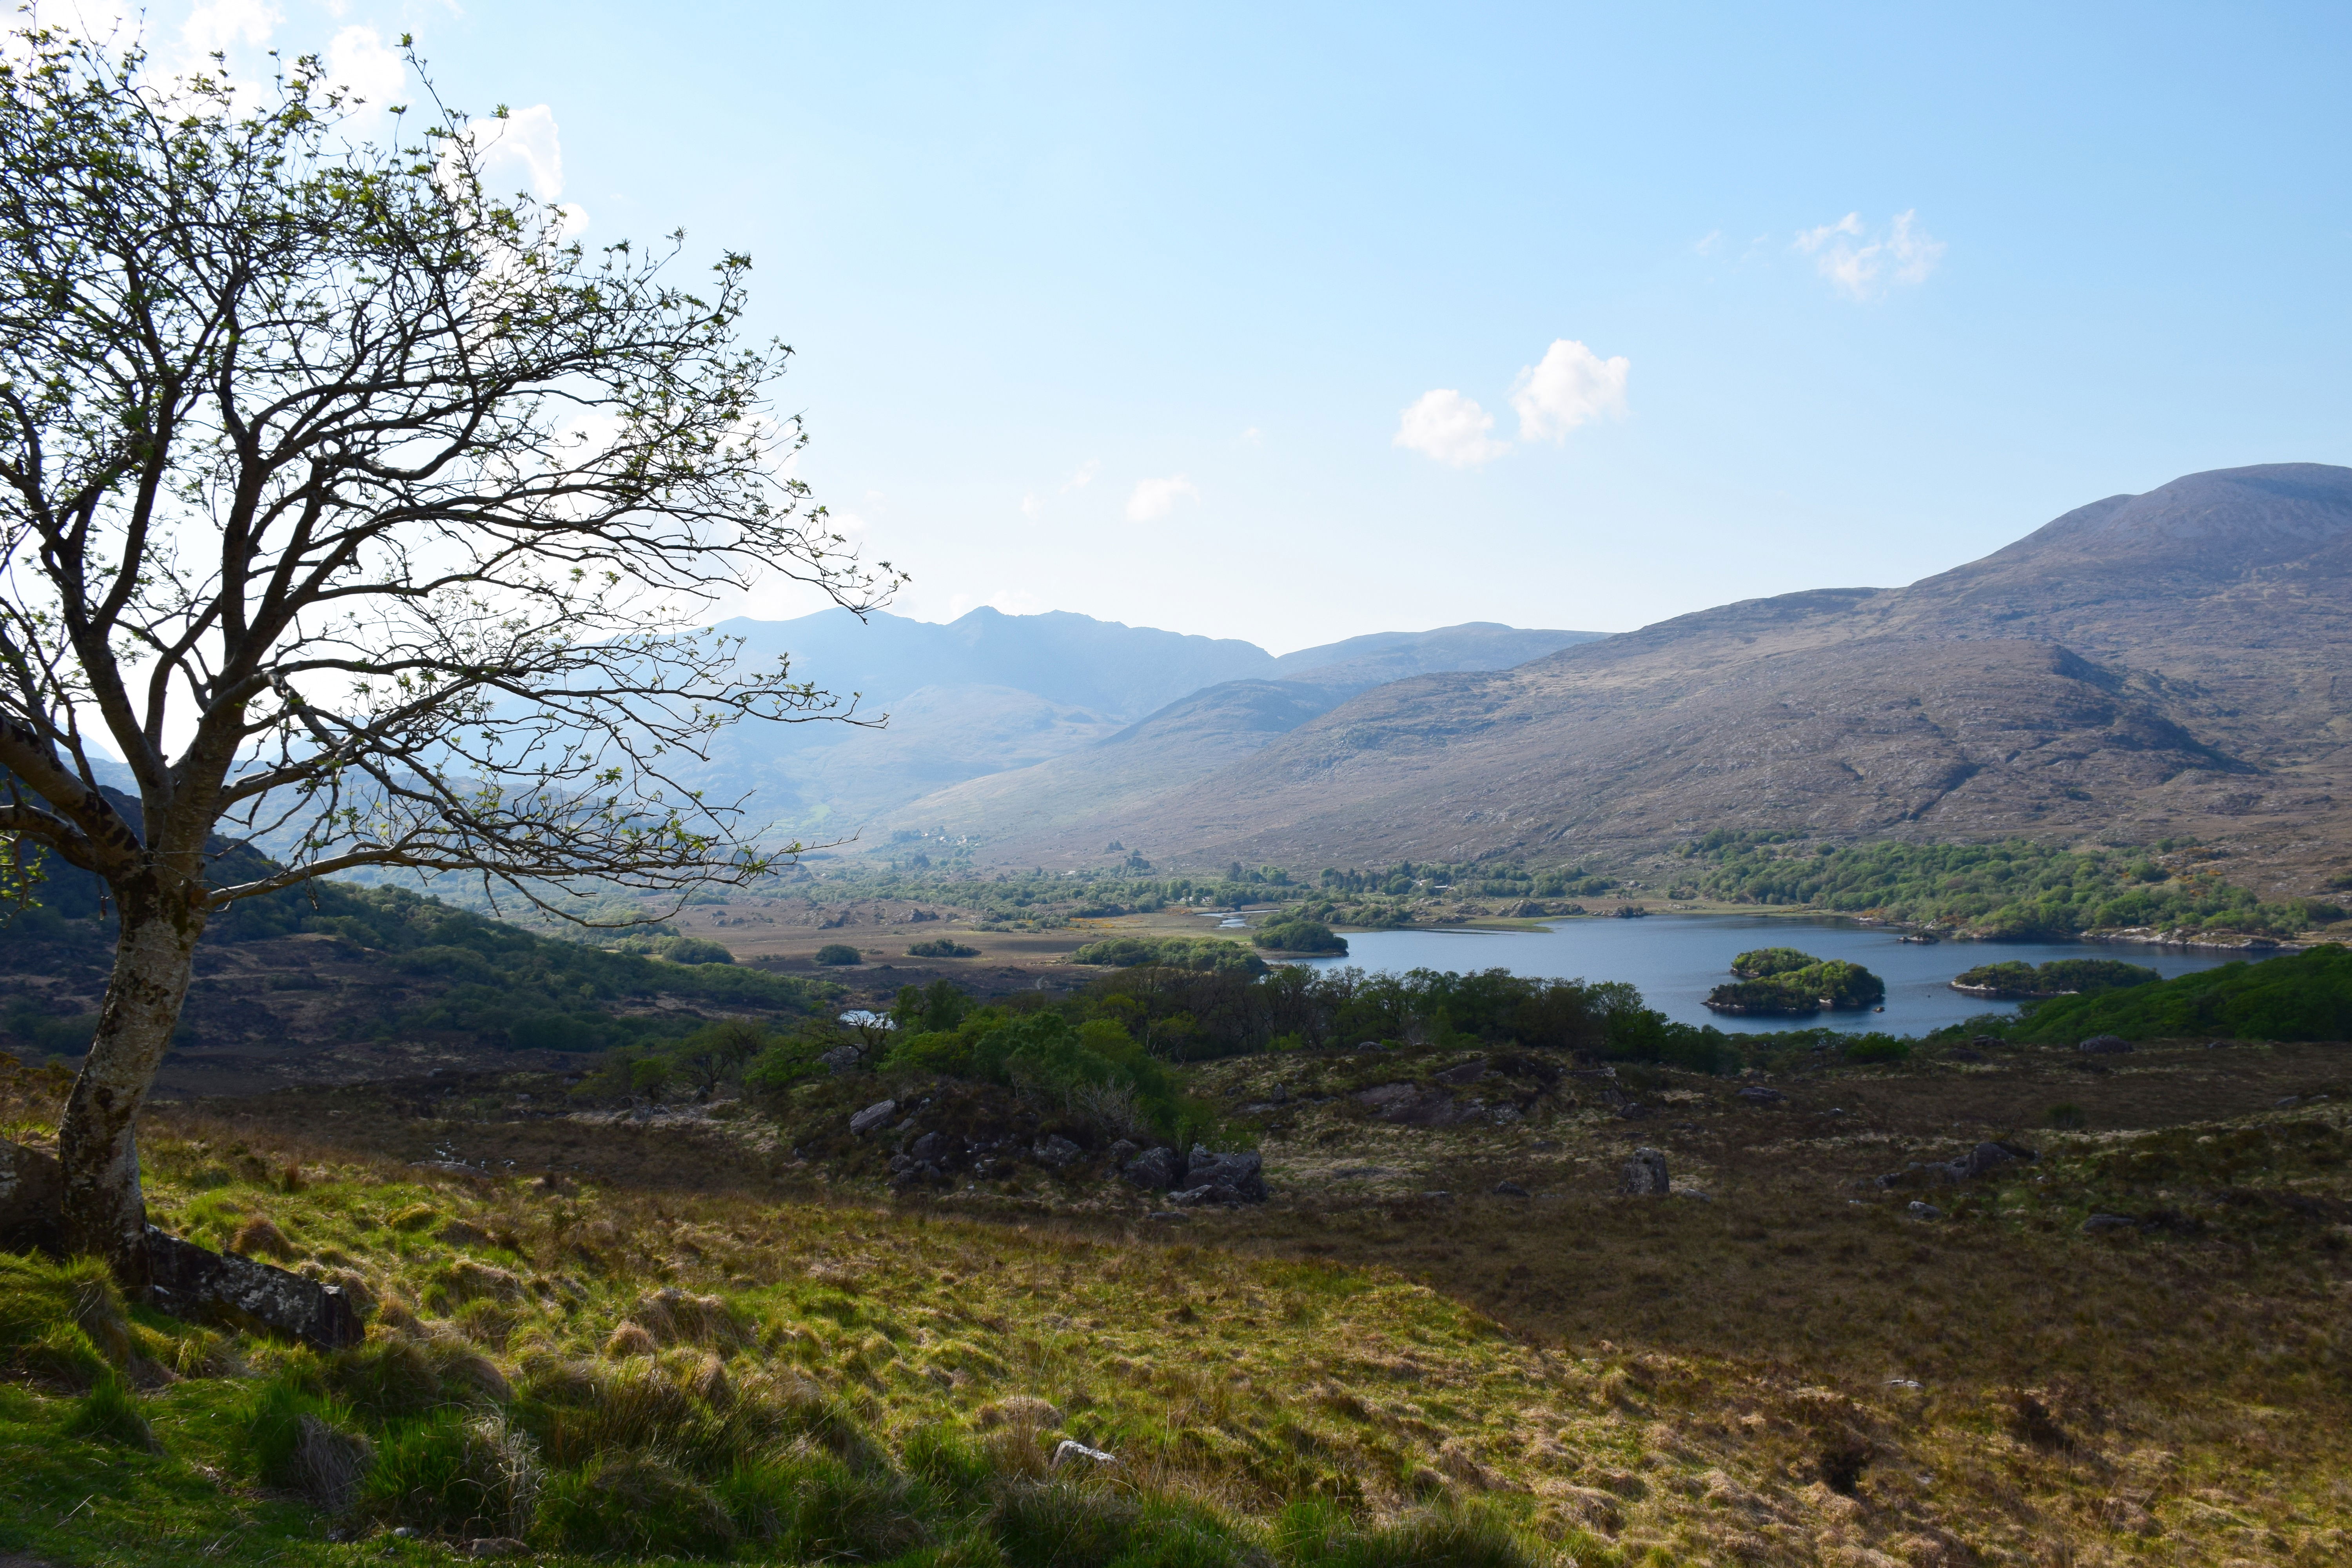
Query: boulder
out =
(1978, 1162)
(1155, 1170)
(1756, 1094)
(1242, 1173)
(1918, 1210)
(2104, 1045)
(1070, 1451)
(197, 1285)
(1057, 1152)
(842, 1058)
(32, 1199)
(872, 1116)
(933, 1147)
(1461, 1073)
(1509, 1190)
(1124, 1150)
(1644, 1175)
(2098, 1222)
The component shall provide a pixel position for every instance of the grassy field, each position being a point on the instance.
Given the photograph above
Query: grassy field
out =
(683, 1343)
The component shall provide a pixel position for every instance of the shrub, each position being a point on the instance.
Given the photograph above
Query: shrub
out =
(1796, 991)
(811, 1508)
(1298, 936)
(692, 949)
(839, 952)
(2305, 996)
(1759, 964)
(2014, 981)
(1314, 1535)
(1214, 954)
(1878, 1048)
(942, 947)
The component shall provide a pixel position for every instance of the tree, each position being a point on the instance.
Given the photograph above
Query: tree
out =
(345, 499)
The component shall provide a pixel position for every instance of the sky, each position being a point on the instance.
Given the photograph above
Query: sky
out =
(1294, 323)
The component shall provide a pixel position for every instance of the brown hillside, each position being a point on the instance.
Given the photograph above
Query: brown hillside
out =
(2174, 662)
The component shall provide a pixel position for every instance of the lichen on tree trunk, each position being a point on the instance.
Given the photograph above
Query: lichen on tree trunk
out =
(105, 1213)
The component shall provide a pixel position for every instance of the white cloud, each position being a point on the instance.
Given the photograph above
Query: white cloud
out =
(1253, 437)
(1029, 506)
(1711, 244)
(1450, 427)
(359, 60)
(523, 151)
(1157, 497)
(217, 23)
(1904, 254)
(1570, 386)
(1083, 476)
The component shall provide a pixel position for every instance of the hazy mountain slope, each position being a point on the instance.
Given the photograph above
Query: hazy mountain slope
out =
(2177, 662)
(989, 693)
(1200, 734)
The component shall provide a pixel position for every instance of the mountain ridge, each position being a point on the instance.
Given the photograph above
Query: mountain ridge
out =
(2174, 661)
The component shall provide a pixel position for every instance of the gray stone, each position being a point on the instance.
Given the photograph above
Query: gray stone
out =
(1243, 1173)
(32, 1199)
(1190, 1195)
(200, 1286)
(1509, 1190)
(1644, 1175)
(842, 1058)
(2105, 1046)
(1756, 1094)
(1154, 1168)
(1057, 1152)
(1464, 1073)
(1124, 1150)
(930, 1146)
(2098, 1222)
(1070, 1451)
(872, 1116)
(1918, 1210)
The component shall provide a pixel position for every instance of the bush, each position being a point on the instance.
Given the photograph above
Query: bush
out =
(2305, 996)
(837, 954)
(1298, 936)
(692, 949)
(293, 1439)
(1212, 955)
(941, 947)
(1761, 963)
(1878, 1048)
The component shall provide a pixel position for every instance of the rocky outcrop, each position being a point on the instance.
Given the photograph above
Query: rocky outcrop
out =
(1644, 1175)
(198, 1285)
(1155, 1170)
(32, 1198)
(1978, 1162)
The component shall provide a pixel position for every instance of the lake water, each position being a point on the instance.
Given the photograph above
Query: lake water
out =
(1675, 959)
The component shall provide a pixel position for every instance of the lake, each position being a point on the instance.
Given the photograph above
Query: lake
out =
(1675, 959)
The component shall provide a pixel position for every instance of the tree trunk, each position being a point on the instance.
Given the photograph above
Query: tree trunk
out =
(105, 1209)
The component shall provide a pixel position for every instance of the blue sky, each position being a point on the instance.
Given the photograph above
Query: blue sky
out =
(1124, 311)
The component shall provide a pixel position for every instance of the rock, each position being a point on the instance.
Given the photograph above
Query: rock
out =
(1980, 1161)
(1070, 1451)
(2099, 1222)
(32, 1199)
(1644, 1175)
(1461, 1073)
(1918, 1210)
(1123, 1151)
(1370, 1046)
(195, 1285)
(1190, 1195)
(872, 1116)
(842, 1059)
(1057, 1152)
(1509, 1190)
(1756, 1094)
(1243, 1173)
(1154, 1168)
(931, 1147)
(2104, 1045)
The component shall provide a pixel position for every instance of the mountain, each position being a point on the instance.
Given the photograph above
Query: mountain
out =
(2179, 662)
(992, 694)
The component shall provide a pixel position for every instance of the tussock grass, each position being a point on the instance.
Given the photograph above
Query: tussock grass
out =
(611, 1373)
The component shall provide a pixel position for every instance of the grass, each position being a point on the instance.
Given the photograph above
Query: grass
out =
(1790, 1371)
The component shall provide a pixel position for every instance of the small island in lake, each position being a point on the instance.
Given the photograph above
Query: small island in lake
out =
(2018, 981)
(1785, 983)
